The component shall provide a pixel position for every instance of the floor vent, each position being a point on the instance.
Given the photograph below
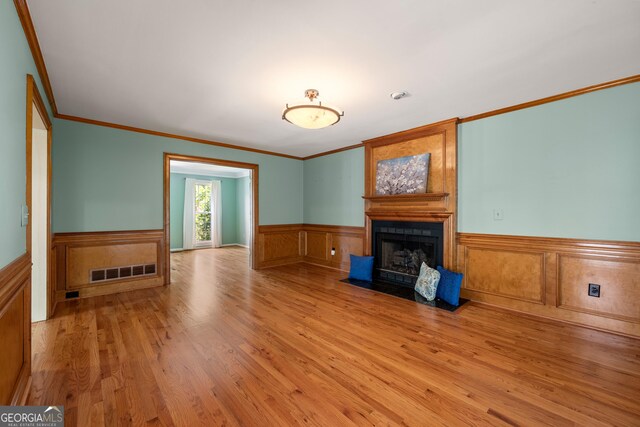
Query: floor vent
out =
(114, 273)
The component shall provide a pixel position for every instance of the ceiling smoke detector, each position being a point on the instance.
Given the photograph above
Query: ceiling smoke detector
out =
(399, 95)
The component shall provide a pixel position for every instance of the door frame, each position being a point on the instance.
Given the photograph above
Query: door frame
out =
(253, 244)
(34, 98)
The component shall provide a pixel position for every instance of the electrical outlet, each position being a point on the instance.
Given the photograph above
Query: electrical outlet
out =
(24, 216)
(498, 214)
(594, 290)
(333, 251)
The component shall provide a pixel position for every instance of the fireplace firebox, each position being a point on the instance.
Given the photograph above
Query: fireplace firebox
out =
(400, 248)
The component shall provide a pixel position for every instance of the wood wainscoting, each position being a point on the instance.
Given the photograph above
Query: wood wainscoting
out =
(15, 330)
(279, 245)
(310, 243)
(75, 255)
(550, 277)
(331, 245)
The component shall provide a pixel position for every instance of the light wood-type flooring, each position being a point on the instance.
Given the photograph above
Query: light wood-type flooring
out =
(224, 345)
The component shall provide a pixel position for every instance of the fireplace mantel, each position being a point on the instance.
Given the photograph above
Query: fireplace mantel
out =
(407, 197)
(439, 203)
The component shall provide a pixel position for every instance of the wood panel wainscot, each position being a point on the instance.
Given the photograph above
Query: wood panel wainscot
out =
(15, 330)
(551, 277)
(279, 245)
(99, 263)
(326, 245)
(331, 245)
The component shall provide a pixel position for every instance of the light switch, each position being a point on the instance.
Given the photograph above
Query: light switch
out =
(498, 214)
(24, 217)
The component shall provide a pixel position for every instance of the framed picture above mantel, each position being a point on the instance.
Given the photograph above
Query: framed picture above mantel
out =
(391, 161)
(402, 175)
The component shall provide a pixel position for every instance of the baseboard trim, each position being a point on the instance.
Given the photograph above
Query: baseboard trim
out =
(222, 246)
(330, 267)
(549, 318)
(22, 387)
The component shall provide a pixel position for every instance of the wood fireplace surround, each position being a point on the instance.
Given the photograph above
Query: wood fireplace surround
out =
(439, 204)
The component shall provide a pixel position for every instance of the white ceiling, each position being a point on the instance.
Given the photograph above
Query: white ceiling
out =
(223, 70)
(206, 169)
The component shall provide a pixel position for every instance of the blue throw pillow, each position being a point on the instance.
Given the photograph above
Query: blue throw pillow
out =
(361, 268)
(449, 286)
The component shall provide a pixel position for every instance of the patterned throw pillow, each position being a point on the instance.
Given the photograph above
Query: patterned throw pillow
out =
(427, 282)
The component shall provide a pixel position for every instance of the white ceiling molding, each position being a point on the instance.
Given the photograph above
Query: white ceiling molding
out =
(206, 169)
(223, 71)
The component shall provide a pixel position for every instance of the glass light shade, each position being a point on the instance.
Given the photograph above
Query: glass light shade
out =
(311, 115)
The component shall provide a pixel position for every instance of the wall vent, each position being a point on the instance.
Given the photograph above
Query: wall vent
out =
(114, 273)
(72, 294)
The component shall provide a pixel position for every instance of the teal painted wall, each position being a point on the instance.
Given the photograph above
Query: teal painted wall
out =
(565, 169)
(229, 208)
(243, 197)
(333, 189)
(15, 63)
(570, 168)
(109, 179)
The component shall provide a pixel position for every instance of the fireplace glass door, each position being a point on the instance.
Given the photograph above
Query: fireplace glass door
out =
(400, 251)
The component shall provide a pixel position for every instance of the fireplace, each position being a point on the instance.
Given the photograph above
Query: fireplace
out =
(404, 230)
(400, 248)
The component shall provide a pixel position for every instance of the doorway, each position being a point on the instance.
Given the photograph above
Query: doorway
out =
(37, 216)
(209, 203)
(204, 208)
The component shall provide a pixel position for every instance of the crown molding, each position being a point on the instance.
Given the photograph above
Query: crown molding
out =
(337, 150)
(553, 98)
(170, 135)
(565, 95)
(36, 53)
(30, 34)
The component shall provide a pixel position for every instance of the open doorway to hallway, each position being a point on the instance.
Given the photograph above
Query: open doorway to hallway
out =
(209, 204)
(37, 216)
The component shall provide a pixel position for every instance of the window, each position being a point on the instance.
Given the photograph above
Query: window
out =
(202, 213)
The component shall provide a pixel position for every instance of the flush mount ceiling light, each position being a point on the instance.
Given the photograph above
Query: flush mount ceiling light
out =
(312, 115)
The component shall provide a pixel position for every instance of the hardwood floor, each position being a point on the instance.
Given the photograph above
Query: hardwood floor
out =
(224, 345)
